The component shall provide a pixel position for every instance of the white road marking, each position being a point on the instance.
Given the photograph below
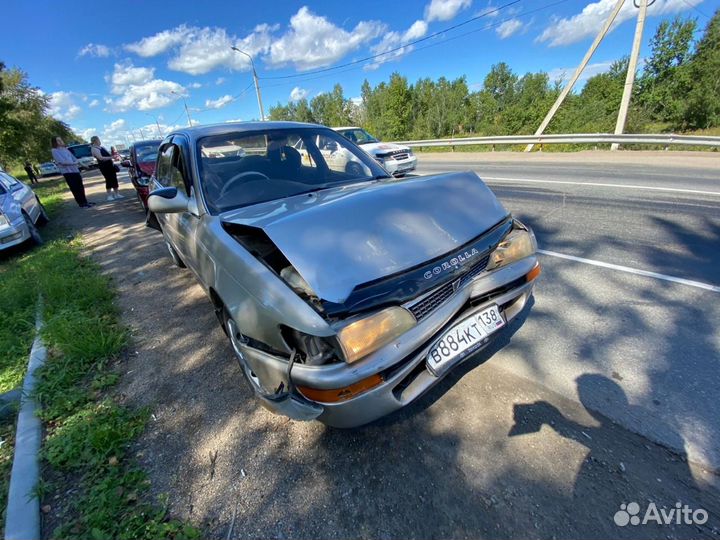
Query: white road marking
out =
(635, 271)
(599, 184)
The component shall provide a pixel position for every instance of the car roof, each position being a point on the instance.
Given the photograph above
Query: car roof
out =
(196, 132)
(148, 141)
(346, 127)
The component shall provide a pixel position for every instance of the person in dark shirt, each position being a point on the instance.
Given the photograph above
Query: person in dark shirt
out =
(31, 174)
(107, 168)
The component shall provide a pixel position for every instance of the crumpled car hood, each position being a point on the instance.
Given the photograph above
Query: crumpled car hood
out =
(340, 238)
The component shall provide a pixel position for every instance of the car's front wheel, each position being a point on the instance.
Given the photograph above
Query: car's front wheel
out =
(35, 236)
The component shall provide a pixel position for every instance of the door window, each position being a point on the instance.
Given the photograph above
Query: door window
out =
(164, 165)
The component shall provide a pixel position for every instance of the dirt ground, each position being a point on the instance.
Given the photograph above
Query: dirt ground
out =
(484, 455)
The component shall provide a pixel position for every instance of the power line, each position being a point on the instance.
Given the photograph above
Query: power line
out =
(483, 28)
(384, 53)
(688, 4)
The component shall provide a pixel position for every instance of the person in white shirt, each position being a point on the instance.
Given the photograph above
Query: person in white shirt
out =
(107, 168)
(67, 164)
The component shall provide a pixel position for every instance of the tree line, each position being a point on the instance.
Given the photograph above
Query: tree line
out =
(25, 125)
(678, 90)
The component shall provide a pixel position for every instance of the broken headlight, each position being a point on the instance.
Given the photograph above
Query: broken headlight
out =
(518, 244)
(360, 338)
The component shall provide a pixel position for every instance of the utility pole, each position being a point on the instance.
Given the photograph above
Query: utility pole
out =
(601, 35)
(632, 67)
(255, 79)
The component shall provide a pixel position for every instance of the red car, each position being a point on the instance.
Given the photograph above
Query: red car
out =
(141, 166)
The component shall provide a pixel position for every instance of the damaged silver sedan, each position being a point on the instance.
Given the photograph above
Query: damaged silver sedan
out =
(345, 293)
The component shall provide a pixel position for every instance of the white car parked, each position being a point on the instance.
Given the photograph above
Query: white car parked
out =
(21, 212)
(397, 159)
(48, 169)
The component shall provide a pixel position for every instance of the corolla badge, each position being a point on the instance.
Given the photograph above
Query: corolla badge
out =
(451, 264)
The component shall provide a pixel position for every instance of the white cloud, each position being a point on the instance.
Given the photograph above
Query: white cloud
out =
(234, 120)
(206, 49)
(444, 10)
(86, 133)
(397, 40)
(313, 41)
(159, 43)
(508, 28)
(298, 93)
(125, 74)
(63, 107)
(94, 103)
(564, 74)
(137, 89)
(220, 80)
(587, 23)
(218, 103)
(95, 49)
(195, 85)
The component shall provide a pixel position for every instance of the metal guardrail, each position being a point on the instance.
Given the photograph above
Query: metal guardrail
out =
(583, 138)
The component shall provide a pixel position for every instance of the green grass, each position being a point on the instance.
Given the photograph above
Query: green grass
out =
(7, 443)
(87, 433)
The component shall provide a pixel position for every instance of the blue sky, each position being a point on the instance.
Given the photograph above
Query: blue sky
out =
(113, 69)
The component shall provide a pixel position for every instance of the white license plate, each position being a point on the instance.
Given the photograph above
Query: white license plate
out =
(463, 338)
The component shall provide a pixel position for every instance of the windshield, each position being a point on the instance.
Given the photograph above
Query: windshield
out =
(147, 153)
(80, 151)
(241, 169)
(358, 136)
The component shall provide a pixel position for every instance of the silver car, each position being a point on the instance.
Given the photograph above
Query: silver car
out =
(345, 294)
(21, 213)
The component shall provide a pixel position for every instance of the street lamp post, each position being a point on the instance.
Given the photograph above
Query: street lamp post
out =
(257, 84)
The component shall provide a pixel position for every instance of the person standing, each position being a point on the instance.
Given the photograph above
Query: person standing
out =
(31, 174)
(67, 164)
(107, 168)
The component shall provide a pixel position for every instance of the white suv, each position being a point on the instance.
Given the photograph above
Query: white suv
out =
(397, 160)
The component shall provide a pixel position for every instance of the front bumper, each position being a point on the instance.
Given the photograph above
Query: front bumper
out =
(400, 167)
(401, 363)
(13, 234)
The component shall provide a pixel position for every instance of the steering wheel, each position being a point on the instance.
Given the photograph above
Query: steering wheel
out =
(240, 176)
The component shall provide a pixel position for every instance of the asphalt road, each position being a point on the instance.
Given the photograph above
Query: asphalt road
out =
(658, 339)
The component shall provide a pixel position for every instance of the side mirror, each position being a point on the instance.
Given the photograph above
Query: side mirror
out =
(126, 163)
(169, 200)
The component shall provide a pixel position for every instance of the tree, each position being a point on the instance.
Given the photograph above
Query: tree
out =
(25, 126)
(703, 100)
(331, 109)
(665, 81)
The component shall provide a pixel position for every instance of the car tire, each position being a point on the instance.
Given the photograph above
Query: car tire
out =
(43, 218)
(355, 169)
(35, 236)
(174, 255)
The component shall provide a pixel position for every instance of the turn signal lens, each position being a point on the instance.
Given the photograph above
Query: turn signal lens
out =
(341, 394)
(362, 337)
(534, 273)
